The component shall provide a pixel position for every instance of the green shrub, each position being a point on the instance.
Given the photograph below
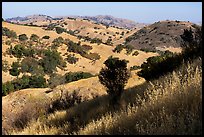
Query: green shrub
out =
(29, 64)
(118, 48)
(72, 59)
(45, 37)
(74, 47)
(74, 76)
(15, 69)
(34, 37)
(129, 49)
(135, 53)
(23, 37)
(9, 33)
(20, 51)
(60, 30)
(135, 67)
(51, 60)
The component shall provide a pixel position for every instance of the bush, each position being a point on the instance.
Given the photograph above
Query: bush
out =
(60, 30)
(9, 33)
(55, 80)
(23, 37)
(129, 49)
(29, 64)
(74, 76)
(51, 60)
(20, 51)
(15, 70)
(23, 83)
(114, 77)
(135, 53)
(74, 47)
(45, 37)
(34, 37)
(135, 67)
(72, 59)
(118, 48)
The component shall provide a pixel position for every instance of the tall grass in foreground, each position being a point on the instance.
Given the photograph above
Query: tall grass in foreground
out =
(171, 104)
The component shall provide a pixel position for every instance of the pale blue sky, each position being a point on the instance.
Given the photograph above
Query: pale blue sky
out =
(144, 12)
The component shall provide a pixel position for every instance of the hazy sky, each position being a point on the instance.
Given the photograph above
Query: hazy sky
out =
(144, 12)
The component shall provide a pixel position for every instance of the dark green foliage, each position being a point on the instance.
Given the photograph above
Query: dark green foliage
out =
(60, 30)
(96, 40)
(74, 76)
(135, 53)
(148, 50)
(167, 62)
(22, 83)
(72, 59)
(109, 41)
(45, 37)
(37, 82)
(51, 60)
(74, 47)
(15, 69)
(7, 88)
(192, 43)
(129, 49)
(118, 48)
(114, 77)
(9, 33)
(58, 40)
(135, 67)
(34, 37)
(19, 51)
(23, 37)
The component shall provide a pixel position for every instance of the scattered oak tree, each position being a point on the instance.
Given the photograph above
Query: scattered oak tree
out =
(114, 77)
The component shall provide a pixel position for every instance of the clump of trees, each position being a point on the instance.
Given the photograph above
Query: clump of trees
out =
(74, 76)
(23, 37)
(159, 65)
(22, 83)
(19, 51)
(120, 47)
(51, 60)
(72, 59)
(15, 69)
(9, 33)
(34, 37)
(45, 37)
(114, 77)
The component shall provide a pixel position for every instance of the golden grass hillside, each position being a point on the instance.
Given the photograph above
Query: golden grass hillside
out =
(171, 105)
(83, 64)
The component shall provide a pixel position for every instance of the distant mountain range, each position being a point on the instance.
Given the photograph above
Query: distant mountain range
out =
(102, 19)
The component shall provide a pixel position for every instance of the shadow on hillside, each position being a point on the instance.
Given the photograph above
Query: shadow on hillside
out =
(80, 115)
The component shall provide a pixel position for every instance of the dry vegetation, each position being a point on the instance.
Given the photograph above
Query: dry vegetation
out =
(170, 105)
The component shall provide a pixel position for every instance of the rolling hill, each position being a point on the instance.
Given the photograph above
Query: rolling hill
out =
(160, 35)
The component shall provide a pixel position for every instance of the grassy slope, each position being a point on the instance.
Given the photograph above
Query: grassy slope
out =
(170, 105)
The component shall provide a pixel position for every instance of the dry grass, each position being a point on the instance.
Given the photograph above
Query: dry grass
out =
(169, 105)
